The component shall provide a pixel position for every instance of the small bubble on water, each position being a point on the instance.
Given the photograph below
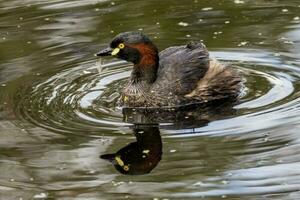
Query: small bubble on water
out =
(97, 9)
(21, 18)
(227, 22)
(112, 3)
(3, 84)
(112, 31)
(297, 18)
(47, 19)
(140, 29)
(12, 180)
(31, 179)
(188, 36)
(224, 196)
(4, 38)
(28, 42)
(173, 150)
(284, 10)
(157, 23)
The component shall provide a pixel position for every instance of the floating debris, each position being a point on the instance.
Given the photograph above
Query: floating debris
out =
(188, 36)
(173, 150)
(146, 151)
(243, 43)
(238, 2)
(183, 24)
(227, 22)
(296, 18)
(199, 183)
(284, 10)
(40, 196)
(207, 9)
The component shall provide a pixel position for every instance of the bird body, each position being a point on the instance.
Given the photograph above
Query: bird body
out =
(177, 76)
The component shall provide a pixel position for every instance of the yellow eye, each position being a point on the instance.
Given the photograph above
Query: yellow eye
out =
(121, 46)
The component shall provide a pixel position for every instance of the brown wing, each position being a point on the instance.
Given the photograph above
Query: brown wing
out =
(181, 67)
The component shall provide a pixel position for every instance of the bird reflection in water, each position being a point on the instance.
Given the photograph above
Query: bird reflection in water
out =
(138, 157)
(142, 156)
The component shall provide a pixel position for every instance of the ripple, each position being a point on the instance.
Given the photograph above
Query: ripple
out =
(82, 100)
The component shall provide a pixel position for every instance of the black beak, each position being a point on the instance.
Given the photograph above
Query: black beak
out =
(108, 157)
(104, 52)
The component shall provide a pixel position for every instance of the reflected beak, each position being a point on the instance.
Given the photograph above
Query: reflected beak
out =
(104, 52)
(108, 52)
(108, 157)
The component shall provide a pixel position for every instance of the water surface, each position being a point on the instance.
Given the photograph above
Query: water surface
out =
(58, 110)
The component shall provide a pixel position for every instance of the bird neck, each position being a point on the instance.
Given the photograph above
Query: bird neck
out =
(145, 70)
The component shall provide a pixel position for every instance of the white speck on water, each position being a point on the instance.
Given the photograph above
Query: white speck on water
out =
(97, 9)
(200, 20)
(112, 31)
(40, 196)
(19, 26)
(86, 72)
(260, 34)
(21, 18)
(117, 183)
(157, 23)
(140, 29)
(4, 38)
(224, 196)
(288, 42)
(297, 18)
(224, 182)
(207, 9)
(173, 150)
(47, 19)
(238, 2)
(12, 180)
(28, 42)
(112, 3)
(276, 54)
(183, 24)
(3, 84)
(284, 10)
(31, 179)
(227, 22)
(146, 151)
(199, 183)
(140, 132)
(188, 36)
(242, 43)
(261, 42)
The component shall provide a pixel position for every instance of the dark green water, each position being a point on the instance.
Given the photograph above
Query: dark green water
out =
(58, 113)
